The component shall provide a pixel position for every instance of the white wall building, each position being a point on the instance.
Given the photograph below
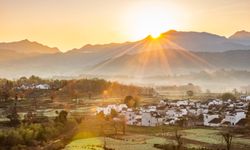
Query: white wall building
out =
(130, 117)
(151, 119)
(107, 110)
(234, 118)
(209, 117)
(42, 86)
(184, 103)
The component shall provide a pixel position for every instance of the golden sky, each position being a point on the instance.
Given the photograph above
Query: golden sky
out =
(69, 24)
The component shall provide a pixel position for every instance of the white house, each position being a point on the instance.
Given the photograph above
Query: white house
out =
(151, 119)
(162, 103)
(151, 108)
(234, 118)
(42, 86)
(215, 102)
(248, 98)
(184, 111)
(130, 117)
(192, 111)
(107, 110)
(184, 103)
(170, 121)
(209, 117)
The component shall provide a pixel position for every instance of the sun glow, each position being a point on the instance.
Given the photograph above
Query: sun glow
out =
(155, 35)
(151, 18)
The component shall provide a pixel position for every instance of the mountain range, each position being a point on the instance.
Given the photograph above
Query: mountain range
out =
(174, 52)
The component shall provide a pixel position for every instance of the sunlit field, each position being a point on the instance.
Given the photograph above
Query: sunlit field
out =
(89, 136)
(138, 142)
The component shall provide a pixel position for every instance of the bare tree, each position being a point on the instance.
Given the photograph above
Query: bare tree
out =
(115, 125)
(178, 139)
(227, 137)
(123, 125)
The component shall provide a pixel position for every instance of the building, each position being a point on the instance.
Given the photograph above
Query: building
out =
(207, 118)
(151, 119)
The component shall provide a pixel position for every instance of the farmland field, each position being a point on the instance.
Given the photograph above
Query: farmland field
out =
(138, 142)
(212, 136)
(144, 138)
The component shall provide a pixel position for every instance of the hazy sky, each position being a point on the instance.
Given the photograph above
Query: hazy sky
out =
(69, 24)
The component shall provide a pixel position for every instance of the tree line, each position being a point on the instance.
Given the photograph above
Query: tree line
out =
(73, 89)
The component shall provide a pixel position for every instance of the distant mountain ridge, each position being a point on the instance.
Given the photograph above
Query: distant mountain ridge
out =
(203, 41)
(26, 46)
(192, 41)
(242, 37)
(174, 52)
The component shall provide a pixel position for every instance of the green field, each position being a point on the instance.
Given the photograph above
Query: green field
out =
(213, 136)
(138, 142)
(143, 138)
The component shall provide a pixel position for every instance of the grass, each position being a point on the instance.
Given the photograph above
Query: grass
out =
(143, 138)
(203, 135)
(150, 130)
(212, 136)
(138, 142)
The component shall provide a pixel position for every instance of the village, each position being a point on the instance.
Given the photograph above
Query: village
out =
(213, 113)
(185, 112)
(94, 108)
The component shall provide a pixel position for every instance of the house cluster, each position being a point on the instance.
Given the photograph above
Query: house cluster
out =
(226, 113)
(214, 112)
(34, 86)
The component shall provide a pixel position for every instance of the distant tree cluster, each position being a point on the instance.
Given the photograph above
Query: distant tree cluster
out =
(227, 96)
(66, 88)
(90, 87)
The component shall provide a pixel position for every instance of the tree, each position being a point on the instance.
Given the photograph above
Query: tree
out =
(123, 125)
(13, 116)
(178, 139)
(52, 95)
(29, 118)
(89, 95)
(131, 101)
(137, 102)
(5, 95)
(182, 122)
(227, 96)
(228, 139)
(62, 117)
(115, 125)
(190, 93)
(113, 113)
(6, 90)
(101, 115)
(248, 116)
(127, 99)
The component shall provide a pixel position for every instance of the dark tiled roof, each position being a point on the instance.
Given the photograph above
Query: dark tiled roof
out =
(215, 120)
(242, 122)
(226, 123)
(161, 108)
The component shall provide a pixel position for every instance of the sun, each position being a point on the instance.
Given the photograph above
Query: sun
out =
(152, 19)
(156, 35)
